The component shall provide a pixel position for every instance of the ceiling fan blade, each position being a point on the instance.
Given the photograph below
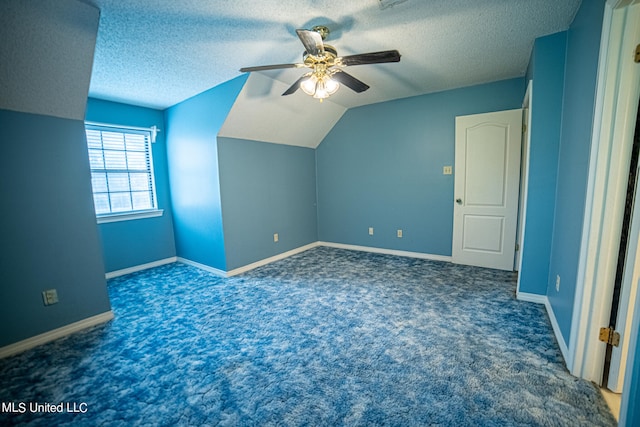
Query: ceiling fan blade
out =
(312, 41)
(270, 67)
(371, 58)
(294, 87)
(349, 81)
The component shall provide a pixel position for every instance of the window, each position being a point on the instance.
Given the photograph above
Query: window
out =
(121, 172)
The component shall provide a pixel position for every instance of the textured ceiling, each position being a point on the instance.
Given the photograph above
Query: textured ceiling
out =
(38, 72)
(157, 53)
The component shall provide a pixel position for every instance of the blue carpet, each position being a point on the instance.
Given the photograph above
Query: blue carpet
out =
(328, 337)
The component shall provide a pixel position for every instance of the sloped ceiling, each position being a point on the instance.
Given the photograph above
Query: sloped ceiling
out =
(157, 53)
(261, 114)
(39, 72)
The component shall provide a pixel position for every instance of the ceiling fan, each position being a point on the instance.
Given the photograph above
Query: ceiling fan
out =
(326, 66)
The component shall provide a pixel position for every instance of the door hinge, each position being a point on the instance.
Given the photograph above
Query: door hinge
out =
(637, 58)
(517, 247)
(609, 336)
(524, 128)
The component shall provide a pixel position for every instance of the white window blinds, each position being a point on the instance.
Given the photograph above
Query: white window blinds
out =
(121, 169)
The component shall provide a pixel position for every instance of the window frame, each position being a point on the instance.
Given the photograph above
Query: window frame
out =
(150, 137)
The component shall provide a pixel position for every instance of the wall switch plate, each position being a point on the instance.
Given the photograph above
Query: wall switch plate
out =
(447, 170)
(370, 231)
(275, 237)
(50, 296)
(399, 234)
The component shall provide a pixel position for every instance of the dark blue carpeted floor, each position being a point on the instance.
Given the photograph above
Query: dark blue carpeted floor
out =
(328, 337)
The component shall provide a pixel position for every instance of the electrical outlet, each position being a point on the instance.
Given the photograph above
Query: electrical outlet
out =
(370, 231)
(557, 283)
(447, 170)
(50, 296)
(275, 237)
(399, 234)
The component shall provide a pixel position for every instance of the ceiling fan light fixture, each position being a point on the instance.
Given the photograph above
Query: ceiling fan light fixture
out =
(326, 73)
(331, 85)
(308, 86)
(321, 91)
(320, 86)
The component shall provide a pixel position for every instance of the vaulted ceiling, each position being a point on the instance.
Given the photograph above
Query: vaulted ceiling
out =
(157, 53)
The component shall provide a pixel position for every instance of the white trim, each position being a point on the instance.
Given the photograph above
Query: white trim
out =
(408, 254)
(535, 298)
(153, 130)
(616, 97)
(556, 330)
(543, 299)
(269, 260)
(204, 267)
(295, 251)
(128, 216)
(129, 270)
(615, 4)
(29, 343)
(527, 105)
(626, 308)
(248, 267)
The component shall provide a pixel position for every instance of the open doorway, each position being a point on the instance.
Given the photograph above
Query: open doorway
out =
(625, 286)
(611, 152)
(626, 280)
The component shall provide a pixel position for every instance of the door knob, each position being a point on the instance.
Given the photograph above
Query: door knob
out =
(459, 201)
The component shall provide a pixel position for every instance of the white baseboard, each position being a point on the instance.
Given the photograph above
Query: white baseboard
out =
(112, 274)
(32, 342)
(295, 251)
(556, 330)
(536, 298)
(204, 267)
(274, 258)
(248, 267)
(543, 299)
(408, 254)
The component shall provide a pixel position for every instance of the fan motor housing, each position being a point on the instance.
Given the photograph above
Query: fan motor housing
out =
(329, 57)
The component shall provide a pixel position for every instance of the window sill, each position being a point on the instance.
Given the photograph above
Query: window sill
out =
(128, 216)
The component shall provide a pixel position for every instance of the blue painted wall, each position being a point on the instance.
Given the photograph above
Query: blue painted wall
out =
(131, 243)
(48, 227)
(192, 129)
(48, 233)
(583, 45)
(266, 189)
(546, 69)
(381, 167)
(630, 410)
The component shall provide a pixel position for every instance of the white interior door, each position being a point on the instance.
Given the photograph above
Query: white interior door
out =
(487, 179)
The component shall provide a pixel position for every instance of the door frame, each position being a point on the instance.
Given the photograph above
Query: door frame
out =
(626, 306)
(617, 95)
(525, 155)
